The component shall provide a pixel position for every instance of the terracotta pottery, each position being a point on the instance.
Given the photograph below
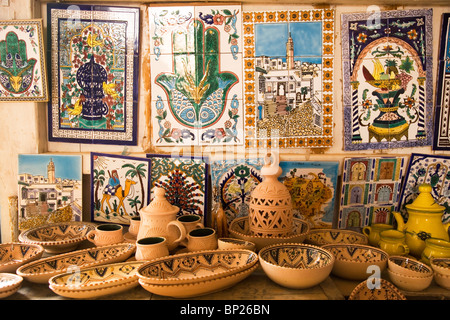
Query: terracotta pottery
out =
(231, 243)
(201, 239)
(151, 248)
(393, 242)
(319, 237)
(159, 219)
(410, 283)
(15, 254)
(135, 223)
(441, 265)
(442, 280)
(385, 291)
(191, 222)
(270, 207)
(106, 234)
(9, 284)
(409, 267)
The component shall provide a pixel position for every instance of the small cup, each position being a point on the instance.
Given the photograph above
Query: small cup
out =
(231, 243)
(393, 242)
(106, 234)
(373, 232)
(135, 223)
(151, 248)
(191, 222)
(201, 239)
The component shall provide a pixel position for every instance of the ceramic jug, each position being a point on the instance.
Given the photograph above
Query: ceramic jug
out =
(435, 248)
(424, 221)
(373, 232)
(201, 239)
(270, 207)
(151, 248)
(106, 234)
(393, 242)
(159, 219)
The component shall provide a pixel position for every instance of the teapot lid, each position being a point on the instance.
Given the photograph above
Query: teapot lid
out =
(425, 200)
(160, 204)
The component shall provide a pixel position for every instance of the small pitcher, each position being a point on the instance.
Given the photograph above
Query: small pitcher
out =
(191, 222)
(393, 242)
(373, 232)
(151, 248)
(106, 234)
(201, 239)
(435, 248)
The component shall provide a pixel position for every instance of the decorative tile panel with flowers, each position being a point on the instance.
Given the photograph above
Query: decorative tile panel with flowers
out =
(196, 68)
(387, 74)
(288, 78)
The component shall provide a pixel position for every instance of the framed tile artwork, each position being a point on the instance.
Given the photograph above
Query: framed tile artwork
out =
(196, 70)
(313, 186)
(23, 72)
(94, 58)
(431, 169)
(185, 180)
(387, 79)
(441, 139)
(233, 180)
(49, 189)
(370, 190)
(119, 187)
(288, 78)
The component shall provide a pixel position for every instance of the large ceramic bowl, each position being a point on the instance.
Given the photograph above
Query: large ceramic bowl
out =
(441, 265)
(97, 281)
(319, 237)
(40, 271)
(410, 283)
(352, 260)
(58, 237)
(9, 284)
(239, 228)
(197, 266)
(15, 254)
(442, 280)
(409, 267)
(296, 265)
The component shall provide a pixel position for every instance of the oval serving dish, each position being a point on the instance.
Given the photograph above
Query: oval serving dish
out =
(15, 254)
(40, 271)
(9, 284)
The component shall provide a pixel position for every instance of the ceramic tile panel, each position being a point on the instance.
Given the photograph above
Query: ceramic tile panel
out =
(119, 187)
(288, 78)
(441, 139)
(196, 70)
(370, 190)
(387, 76)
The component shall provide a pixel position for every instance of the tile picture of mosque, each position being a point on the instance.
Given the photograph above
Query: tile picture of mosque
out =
(50, 189)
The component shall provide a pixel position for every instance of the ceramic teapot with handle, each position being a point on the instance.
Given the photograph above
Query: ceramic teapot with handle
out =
(424, 221)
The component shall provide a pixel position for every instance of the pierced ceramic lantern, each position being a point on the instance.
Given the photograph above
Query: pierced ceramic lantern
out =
(270, 211)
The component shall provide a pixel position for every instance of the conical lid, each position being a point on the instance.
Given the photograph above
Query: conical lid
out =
(160, 205)
(425, 201)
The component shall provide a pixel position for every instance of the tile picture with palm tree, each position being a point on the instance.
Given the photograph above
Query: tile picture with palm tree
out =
(185, 180)
(119, 187)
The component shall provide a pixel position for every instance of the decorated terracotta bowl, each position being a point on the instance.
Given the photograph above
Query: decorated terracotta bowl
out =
(15, 254)
(40, 271)
(353, 260)
(410, 283)
(197, 266)
(441, 265)
(319, 237)
(295, 265)
(96, 281)
(409, 267)
(442, 280)
(58, 237)
(10, 283)
(232, 243)
(239, 228)
(385, 291)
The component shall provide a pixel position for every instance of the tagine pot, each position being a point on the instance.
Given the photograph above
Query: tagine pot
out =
(270, 205)
(159, 219)
(424, 221)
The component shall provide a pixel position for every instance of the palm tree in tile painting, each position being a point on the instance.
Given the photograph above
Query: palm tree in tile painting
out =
(99, 179)
(140, 172)
(133, 203)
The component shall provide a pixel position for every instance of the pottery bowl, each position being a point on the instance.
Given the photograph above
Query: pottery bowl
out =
(442, 280)
(410, 283)
(9, 284)
(385, 291)
(296, 266)
(319, 237)
(352, 260)
(409, 267)
(15, 254)
(239, 228)
(197, 266)
(441, 266)
(58, 237)
(231, 243)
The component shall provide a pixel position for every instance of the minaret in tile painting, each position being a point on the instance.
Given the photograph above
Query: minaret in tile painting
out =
(290, 53)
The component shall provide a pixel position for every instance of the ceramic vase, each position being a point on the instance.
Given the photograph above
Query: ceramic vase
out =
(270, 208)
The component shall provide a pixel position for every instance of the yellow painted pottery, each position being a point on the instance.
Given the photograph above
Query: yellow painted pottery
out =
(373, 232)
(393, 242)
(435, 248)
(424, 221)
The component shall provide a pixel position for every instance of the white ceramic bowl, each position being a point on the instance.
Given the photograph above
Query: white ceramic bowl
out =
(410, 283)
(295, 265)
(319, 237)
(15, 254)
(352, 260)
(441, 265)
(409, 267)
(9, 284)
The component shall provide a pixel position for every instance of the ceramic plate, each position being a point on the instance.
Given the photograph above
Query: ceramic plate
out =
(58, 237)
(97, 281)
(320, 237)
(239, 228)
(9, 284)
(40, 271)
(385, 291)
(15, 254)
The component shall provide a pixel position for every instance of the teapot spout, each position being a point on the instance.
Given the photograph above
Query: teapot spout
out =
(400, 222)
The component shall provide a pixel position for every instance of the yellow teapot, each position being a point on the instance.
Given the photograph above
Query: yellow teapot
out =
(424, 221)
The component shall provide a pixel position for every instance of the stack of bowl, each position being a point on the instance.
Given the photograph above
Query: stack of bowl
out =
(409, 274)
(441, 267)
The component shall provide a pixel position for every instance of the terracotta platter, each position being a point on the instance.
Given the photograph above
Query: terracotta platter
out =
(15, 254)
